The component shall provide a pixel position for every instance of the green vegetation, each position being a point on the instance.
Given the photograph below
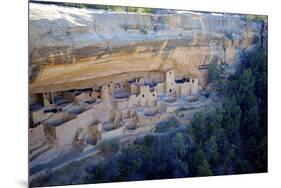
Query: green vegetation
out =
(151, 158)
(230, 139)
(213, 73)
(108, 147)
(200, 164)
(105, 7)
(148, 141)
(143, 31)
(234, 135)
(166, 126)
(77, 5)
(256, 18)
(139, 10)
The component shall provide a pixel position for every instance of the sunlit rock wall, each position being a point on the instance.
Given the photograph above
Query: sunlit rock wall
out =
(74, 48)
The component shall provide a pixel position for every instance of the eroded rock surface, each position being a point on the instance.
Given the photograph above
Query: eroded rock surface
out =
(74, 48)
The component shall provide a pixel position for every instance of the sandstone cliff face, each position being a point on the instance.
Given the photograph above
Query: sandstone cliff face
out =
(75, 48)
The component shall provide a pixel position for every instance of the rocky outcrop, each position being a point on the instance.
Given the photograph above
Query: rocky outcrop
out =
(74, 48)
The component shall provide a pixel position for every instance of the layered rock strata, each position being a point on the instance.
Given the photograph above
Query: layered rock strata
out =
(72, 48)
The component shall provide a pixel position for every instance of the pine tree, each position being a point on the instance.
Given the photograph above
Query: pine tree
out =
(198, 128)
(200, 164)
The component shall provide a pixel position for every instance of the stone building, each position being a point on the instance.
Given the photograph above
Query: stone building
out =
(88, 116)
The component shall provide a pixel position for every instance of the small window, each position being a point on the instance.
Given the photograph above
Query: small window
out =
(192, 81)
(119, 86)
(153, 95)
(108, 85)
(142, 95)
(124, 85)
(170, 90)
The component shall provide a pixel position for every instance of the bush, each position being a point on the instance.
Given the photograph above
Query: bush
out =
(109, 146)
(213, 73)
(143, 31)
(148, 140)
(166, 126)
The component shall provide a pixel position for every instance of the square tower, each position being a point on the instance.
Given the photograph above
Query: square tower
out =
(169, 81)
(194, 86)
(105, 94)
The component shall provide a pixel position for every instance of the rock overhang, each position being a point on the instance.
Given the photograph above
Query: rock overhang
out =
(74, 48)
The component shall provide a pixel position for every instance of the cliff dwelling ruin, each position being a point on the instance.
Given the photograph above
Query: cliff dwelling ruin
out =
(97, 75)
